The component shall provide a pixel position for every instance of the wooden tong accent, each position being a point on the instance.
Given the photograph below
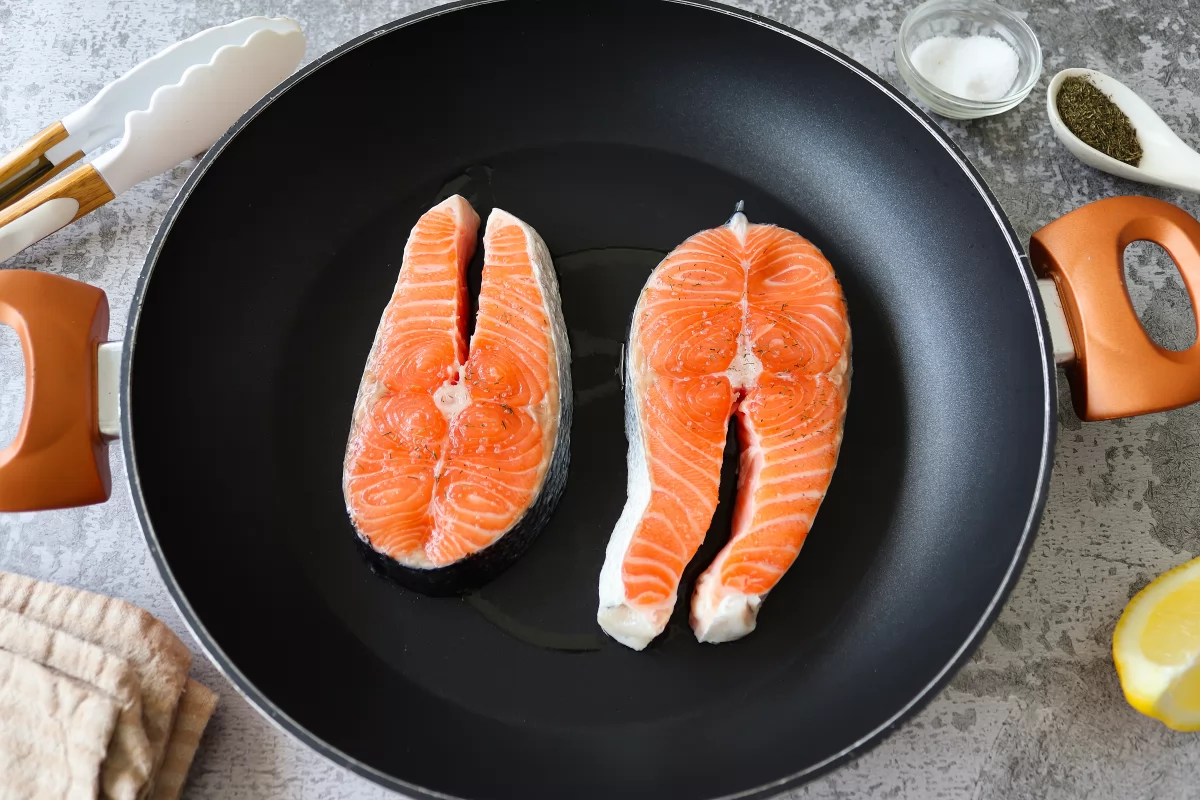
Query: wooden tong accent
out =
(84, 186)
(27, 167)
(37, 197)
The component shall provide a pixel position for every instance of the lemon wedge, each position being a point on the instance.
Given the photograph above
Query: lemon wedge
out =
(1156, 647)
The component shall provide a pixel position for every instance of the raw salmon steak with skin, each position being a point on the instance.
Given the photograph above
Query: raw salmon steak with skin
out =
(745, 319)
(457, 455)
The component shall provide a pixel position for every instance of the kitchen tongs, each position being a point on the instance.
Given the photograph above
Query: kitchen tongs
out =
(166, 109)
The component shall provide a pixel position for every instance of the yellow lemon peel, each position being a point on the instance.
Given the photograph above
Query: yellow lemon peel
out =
(1156, 648)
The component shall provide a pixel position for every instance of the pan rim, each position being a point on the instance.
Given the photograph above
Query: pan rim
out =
(282, 721)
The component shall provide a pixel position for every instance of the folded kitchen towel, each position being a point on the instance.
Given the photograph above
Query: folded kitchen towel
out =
(195, 708)
(160, 659)
(129, 761)
(54, 732)
(102, 652)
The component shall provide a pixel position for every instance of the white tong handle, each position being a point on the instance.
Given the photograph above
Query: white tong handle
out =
(187, 117)
(103, 117)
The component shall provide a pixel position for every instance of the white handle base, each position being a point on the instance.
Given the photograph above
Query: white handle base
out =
(1060, 331)
(108, 382)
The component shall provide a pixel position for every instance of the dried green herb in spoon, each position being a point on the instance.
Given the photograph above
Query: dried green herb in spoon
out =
(1095, 118)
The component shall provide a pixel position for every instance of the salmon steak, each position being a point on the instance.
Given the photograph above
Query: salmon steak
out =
(747, 320)
(458, 454)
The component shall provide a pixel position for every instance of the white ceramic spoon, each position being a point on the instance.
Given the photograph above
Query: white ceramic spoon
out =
(1166, 159)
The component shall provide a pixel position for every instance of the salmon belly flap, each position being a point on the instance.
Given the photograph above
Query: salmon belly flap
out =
(745, 320)
(458, 453)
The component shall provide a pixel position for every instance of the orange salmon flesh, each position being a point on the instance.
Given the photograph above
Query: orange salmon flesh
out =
(451, 445)
(747, 320)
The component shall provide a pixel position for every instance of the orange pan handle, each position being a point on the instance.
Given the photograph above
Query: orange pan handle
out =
(1118, 370)
(58, 458)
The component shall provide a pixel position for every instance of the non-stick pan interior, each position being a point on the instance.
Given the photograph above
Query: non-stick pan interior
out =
(617, 129)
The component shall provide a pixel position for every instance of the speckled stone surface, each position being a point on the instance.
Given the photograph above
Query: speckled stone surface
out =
(1037, 712)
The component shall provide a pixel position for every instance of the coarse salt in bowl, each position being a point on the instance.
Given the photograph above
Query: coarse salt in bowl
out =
(968, 58)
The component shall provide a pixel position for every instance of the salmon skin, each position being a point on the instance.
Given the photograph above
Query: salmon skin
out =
(745, 319)
(458, 454)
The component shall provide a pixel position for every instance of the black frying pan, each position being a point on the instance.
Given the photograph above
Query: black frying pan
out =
(617, 128)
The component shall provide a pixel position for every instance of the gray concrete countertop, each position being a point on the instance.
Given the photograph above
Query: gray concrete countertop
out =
(1037, 712)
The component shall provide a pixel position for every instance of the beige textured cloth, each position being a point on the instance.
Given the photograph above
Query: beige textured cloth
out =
(129, 761)
(160, 659)
(195, 709)
(54, 732)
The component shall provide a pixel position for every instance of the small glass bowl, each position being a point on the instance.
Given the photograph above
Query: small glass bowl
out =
(968, 18)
